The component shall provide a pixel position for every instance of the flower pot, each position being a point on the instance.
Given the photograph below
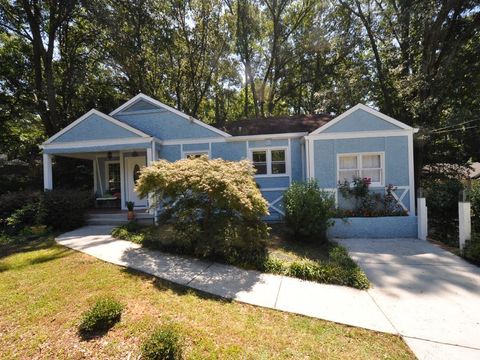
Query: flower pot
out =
(130, 215)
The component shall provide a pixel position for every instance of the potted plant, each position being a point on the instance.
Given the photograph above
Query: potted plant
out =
(131, 213)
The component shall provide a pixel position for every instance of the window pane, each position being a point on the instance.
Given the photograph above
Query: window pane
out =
(348, 162)
(374, 175)
(278, 168)
(278, 155)
(347, 175)
(261, 168)
(259, 156)
(371, 162)
(113, 177)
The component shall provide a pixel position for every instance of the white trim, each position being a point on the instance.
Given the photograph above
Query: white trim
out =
(95, 176)
(268, 151)
(99, 175)
(169, 108)
(289, 171)
(106, 163)
(86, 143)
(47, 172)
(123, 187)
(364, 108)
(311, 154)
(267, 136)
(359, 134)
(359, 156)
(411, 174)
(273, 189)
(103, 116)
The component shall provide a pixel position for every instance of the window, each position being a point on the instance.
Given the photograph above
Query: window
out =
(193, 155)
(365, 165)
(113, 177)
(269, 161)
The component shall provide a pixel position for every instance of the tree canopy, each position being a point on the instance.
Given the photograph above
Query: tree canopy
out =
(221, 60)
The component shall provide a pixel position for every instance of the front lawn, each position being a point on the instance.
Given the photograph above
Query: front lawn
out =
(327, 262)
(45, 288)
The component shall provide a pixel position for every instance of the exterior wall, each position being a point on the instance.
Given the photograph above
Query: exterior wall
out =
(361, 120)
(375, 227)
(165, 125)
(94, 128)
(395, 149)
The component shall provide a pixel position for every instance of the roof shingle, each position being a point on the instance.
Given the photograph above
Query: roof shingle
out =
(277, 124)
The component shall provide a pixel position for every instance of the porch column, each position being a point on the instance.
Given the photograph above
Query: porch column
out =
(150, 160)
(47, 172)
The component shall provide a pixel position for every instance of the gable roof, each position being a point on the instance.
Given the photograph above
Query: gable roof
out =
(277, 124)
(143, 97)
(368, 110)
(103, 116)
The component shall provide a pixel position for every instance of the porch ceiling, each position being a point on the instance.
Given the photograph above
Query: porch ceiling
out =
(90, 147)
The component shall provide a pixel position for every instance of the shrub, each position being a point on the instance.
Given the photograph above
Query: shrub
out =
(308, 211)
(442, 202)
(163, 344)
(100, 317)
(339, 269)
(471, 251)
(214, 207)
(475, 202)
(367, 203)
(65, 209)
(18, 207)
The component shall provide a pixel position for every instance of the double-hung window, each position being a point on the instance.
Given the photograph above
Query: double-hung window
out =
(269, 161)
(113, 176)
(364, 165)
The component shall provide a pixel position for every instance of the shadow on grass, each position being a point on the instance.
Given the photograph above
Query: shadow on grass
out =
(178, 289)
(30, 245)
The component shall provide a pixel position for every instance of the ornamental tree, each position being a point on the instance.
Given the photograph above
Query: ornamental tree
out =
(214, 205)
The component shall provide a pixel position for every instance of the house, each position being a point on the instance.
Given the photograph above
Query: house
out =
(361, 141)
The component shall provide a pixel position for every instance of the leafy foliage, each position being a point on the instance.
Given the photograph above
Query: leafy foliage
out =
(65, 209)
(105, 313)
(308, 211)
(163, 344)
(17, 210)
(442, 201)
(214, 207)
(366, 202)
(475, 203)
(471, 251)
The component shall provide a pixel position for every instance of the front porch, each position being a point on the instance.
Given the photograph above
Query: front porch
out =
(115, 171)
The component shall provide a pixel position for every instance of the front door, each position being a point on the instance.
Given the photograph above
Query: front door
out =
(133, 165)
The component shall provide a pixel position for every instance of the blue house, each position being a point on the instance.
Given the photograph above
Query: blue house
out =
(360, 142)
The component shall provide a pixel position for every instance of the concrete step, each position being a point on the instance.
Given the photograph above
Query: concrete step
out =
(117, 219)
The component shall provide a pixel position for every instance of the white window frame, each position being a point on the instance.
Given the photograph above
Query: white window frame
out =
(268, 151)
(107, 172)
(185, 154)
(359, 156)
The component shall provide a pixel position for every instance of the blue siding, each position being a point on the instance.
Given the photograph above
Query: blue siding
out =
(361, 120)
(396, 160)
(325, 163)
(195, 147)
(171, 152)
(94, 128)
(233, 151)
(166, 125)
(140, 106)
(375, 227)
(272, 182)
(267, 143)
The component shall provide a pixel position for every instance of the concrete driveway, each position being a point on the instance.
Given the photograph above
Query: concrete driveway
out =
(430, 296)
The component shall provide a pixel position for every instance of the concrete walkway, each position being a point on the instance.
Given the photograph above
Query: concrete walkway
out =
(420, 291)
(431, 297)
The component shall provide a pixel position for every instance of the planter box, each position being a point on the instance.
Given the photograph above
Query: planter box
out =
(375, 227)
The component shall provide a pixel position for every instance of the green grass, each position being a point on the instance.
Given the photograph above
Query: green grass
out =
(45, 289)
